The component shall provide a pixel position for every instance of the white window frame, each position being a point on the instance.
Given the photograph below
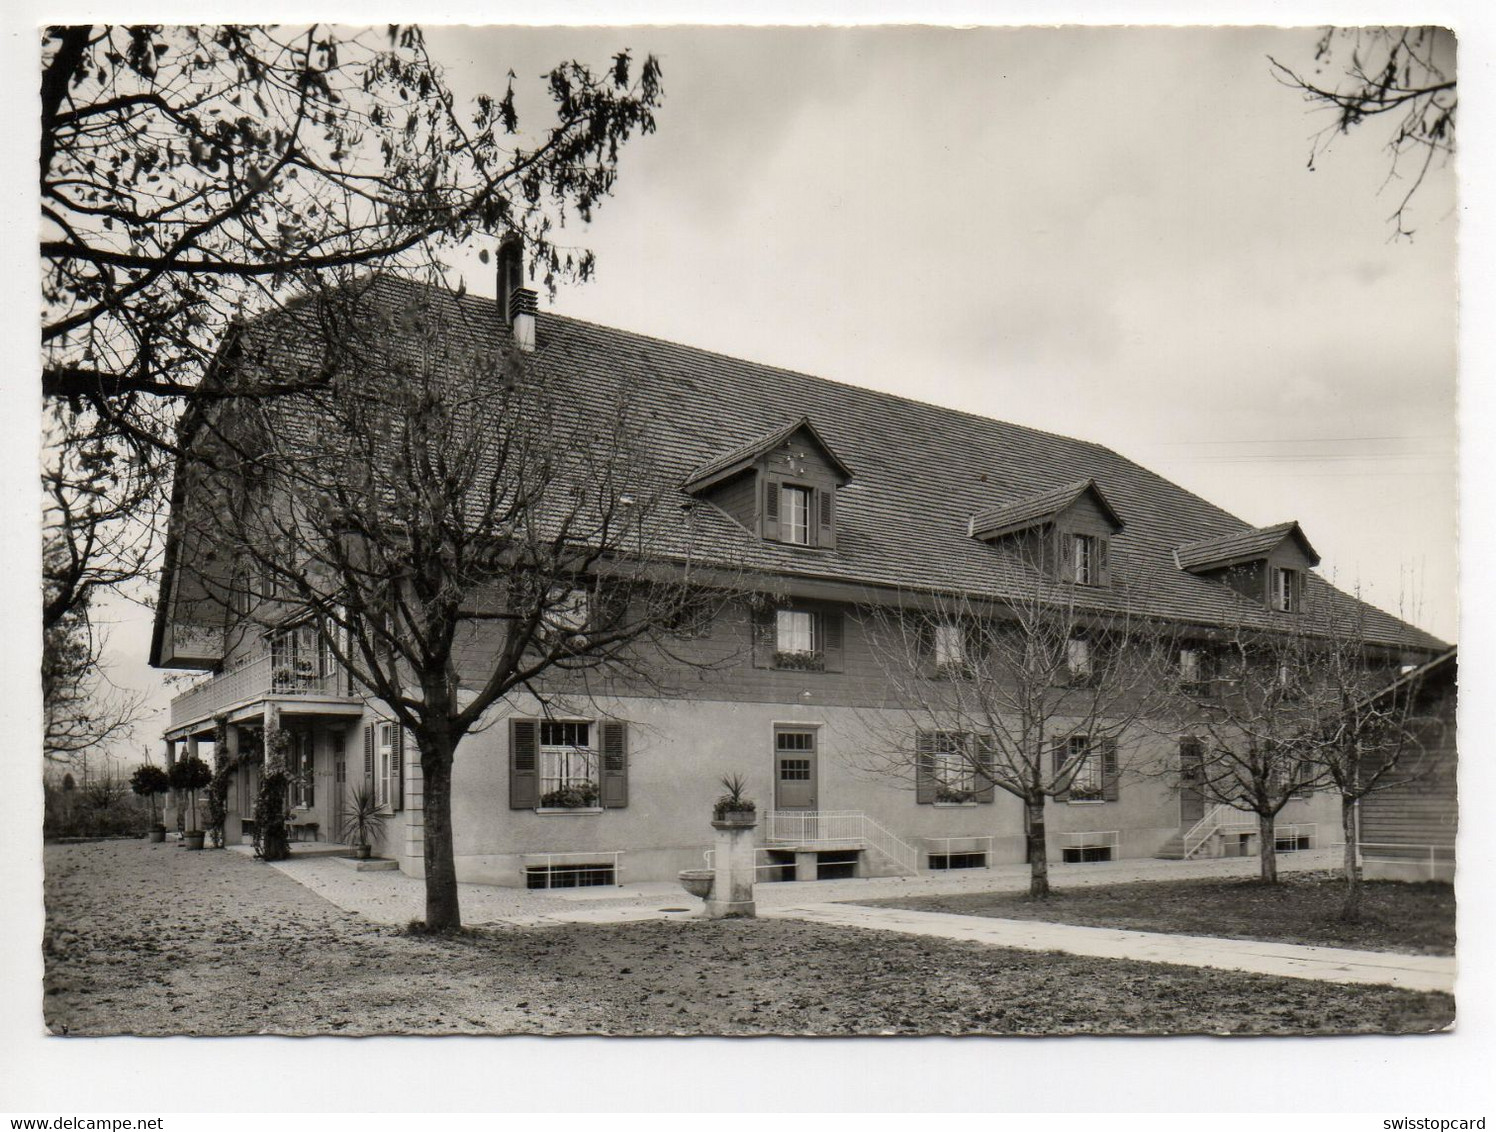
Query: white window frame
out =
(1191, 666)
(386, 781)
(1087, 776)
(567, 615)
(950, 646)
(1285, 586)
(788, 642)
(1078, 658)
(564, 761)
(796, 503)
(1083, 552)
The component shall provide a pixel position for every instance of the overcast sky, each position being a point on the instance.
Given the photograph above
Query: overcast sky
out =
(1110, 233)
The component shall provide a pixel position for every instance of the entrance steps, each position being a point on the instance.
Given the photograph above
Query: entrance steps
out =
(1172, 849)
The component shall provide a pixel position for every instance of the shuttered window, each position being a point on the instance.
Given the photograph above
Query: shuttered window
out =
(800, 639)
(950, 768)
(1085, 769)
(568, 764)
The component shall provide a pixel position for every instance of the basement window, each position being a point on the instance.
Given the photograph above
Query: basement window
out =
(597, 875)
(958, 861)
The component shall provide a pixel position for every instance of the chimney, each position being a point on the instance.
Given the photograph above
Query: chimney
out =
(517, 303)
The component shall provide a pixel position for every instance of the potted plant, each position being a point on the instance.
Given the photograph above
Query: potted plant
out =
(191, 774)
(733, 806)
(362, 818)
(573, 797)
(149, 782)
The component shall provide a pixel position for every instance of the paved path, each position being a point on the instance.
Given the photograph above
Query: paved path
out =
(1327, 964)
(393, 898)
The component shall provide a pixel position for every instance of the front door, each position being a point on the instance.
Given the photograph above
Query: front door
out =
(1191, 800)
(794, 768)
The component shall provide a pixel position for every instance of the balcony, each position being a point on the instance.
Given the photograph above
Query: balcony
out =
(260, 677)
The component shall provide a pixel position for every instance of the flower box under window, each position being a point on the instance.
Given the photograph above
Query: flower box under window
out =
(800, 661)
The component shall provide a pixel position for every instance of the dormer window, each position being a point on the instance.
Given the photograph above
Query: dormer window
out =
(1287, 586)
(1063, 532)
(794, 513)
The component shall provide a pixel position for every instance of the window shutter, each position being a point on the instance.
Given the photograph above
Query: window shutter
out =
(615, 793)
(925, 643)
(985, 790)
(1109, 772)
(397, 771)
(771, 508)
(524, 769)
(1103, 562)
(832, 653)
(826, 496)
(369, 753)
(763, 630)
(924, 768)
(1061, 751)
(1066, 555)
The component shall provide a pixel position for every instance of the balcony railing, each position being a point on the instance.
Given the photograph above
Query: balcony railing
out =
(255, 678)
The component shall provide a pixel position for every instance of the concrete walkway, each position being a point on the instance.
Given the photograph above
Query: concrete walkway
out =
(1287, 960)
(396, 899)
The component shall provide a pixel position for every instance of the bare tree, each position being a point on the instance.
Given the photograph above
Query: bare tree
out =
(193, 176)
(1039, 697)
(454, 524)
(82, 711)
(1284, 708)
(1401, 75)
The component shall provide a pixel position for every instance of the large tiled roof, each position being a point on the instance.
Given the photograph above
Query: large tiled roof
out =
(922, 473)
(1241, 546)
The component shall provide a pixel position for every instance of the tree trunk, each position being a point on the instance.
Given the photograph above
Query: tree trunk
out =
(1038, 850)
(441, 871)
(1267, 847)
(1350, 911)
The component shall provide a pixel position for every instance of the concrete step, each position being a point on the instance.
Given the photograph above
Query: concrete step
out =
(1173, 849)
(367, 865)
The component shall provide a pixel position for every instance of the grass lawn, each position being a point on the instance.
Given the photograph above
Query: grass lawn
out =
(156, 940)
(1302, 908)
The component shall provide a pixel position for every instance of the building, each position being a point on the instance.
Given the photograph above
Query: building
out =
(834, 499)
(1408, 830)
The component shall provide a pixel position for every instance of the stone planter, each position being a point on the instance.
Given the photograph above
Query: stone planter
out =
(736, 819)
(698, 882)
(157, 835)
(362, 852)
(193, 839)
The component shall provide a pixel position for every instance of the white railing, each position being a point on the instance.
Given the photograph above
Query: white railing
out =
(982, 845)
(1429, 856)
(833, 829)
(252, 677)
(1093, 839)
(710, 856)
(580, 859)
(1217, 819)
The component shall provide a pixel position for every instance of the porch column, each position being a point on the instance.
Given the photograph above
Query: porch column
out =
(173, 801)
(233, 824)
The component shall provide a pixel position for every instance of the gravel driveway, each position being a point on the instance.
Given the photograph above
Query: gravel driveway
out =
(152, 939)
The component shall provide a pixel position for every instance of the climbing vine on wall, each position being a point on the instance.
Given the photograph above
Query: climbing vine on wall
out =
(271, 842)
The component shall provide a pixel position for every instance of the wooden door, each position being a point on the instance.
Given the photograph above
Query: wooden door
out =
(339, 786)
(794, 768)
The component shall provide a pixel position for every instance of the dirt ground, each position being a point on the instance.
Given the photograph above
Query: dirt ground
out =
(1417, 919)
(156, 940)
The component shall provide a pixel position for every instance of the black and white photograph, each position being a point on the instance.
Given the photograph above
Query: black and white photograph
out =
(884, 529)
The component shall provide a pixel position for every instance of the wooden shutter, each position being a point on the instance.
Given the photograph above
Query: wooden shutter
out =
(1060, 749)
(1103, 561)
(397, 771)
(924, 636)
(832, 653)
(826, 498)
(615, 793)
(369, 753)
(1066, 555)
(1110, 774)
(771, 508)
(985, 790)
(764, 632)
(924, 768)
(524, 764)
